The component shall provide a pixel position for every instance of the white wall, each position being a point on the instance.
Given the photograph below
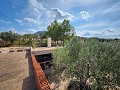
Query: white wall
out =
(49, 42)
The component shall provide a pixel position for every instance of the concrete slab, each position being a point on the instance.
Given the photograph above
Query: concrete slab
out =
(43, 50)
(16, 71)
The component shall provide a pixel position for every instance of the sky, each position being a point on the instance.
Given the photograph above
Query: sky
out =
(90, 18)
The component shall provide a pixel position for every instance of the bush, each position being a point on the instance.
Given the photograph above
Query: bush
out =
(43, 43)
(91, 59)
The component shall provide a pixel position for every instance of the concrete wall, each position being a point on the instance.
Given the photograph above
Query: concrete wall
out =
(49, 42)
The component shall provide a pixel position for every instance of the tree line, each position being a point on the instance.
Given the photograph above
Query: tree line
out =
(56, 30)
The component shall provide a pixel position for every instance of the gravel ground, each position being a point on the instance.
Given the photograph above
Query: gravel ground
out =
(16, 71)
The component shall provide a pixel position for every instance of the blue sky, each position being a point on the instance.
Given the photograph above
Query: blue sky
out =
(91, 18)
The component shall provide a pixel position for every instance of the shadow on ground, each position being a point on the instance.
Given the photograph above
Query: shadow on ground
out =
(57, 79)
(29, 83)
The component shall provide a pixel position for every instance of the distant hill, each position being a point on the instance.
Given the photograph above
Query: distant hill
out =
(40, 32)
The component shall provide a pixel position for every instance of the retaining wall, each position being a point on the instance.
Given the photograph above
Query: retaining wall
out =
(41, 79)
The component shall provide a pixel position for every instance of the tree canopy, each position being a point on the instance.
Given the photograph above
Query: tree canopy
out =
(60, 31)
(9, 36)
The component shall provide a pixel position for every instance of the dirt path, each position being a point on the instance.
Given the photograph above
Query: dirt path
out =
(16, 71)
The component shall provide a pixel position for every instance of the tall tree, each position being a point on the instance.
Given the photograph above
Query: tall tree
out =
(60, 31)
(67, 31)
(54, 31)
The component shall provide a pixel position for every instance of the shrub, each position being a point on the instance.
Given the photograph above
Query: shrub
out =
(91, 59)
(43, 43)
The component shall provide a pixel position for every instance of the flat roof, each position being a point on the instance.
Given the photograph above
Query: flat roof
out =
(16, 71)
(43, 50)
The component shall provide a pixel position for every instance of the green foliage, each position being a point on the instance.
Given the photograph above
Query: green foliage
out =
(43, 43)
(91, 59)
(43, 36)
(9, 36)
(28, 39)
(59, 57)
(60, 31)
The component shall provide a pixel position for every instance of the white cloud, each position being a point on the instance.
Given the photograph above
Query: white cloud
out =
(3, 21)
(19, 21)
(107, 9)
(26, 31)
(34, 11)
(88, 33)
(60, 15)
(111, 9)
(36, 8)
(103, 33)
(15, 31)
(85, 15)
(30, 30)
(80, 2)
(98, 25)
(31, 21)
(28, 21)
(36, 4)
(39, 12)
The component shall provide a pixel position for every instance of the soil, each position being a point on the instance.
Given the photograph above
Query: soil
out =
(58, 80)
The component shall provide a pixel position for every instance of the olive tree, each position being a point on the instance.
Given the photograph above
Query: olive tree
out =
(91, 59)
(9, 36)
